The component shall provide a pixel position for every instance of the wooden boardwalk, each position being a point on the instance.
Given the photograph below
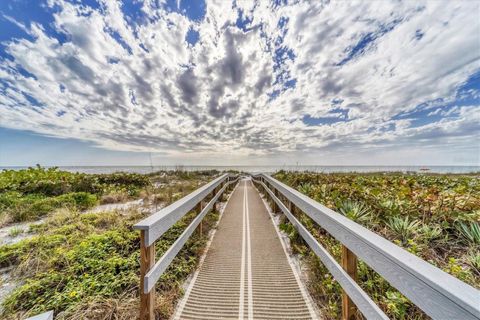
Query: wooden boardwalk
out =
(246, 273)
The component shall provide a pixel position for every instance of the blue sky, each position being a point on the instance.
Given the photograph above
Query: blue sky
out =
(239, 82)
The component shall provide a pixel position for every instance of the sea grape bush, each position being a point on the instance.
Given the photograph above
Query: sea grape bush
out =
(435, 217)
(34, 192)
(54, 182)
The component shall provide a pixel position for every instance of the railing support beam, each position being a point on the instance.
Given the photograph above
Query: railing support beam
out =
(147, 261)
(198, 210)
(214, 207)
(274, 204)
(349, 264)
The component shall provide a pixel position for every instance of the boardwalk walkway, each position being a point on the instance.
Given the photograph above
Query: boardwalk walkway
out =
(246, 273)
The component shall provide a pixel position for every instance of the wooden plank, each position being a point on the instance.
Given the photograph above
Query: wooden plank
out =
(349, 264)
(366, 305)
(214, 207)
(198, 207)
(437, 293)
(147, 261)
(159, 222)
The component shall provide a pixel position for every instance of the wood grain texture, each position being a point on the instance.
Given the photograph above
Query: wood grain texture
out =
(157, 270)
(147, 261)
(349, 264)
(159, 222)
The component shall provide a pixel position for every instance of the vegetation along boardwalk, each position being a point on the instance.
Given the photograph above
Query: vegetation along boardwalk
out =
(246, 274)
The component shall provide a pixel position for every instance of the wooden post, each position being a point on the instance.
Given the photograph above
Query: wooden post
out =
(295, 210)
(289, 205)
(214, 192)
(274, 204)
(147, 261)
(214, 207)
(349, 264)
(199, 209)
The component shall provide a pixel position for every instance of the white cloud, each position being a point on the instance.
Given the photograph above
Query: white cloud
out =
(143, 87)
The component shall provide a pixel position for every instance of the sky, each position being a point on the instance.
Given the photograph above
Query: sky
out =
(103, 82)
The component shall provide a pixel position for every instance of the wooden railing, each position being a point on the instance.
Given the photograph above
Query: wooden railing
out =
(438, 294)
(158, 223)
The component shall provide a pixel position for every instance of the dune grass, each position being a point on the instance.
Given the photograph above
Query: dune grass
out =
(86, 265)
(435, 217)
(29, 194)
(79, 260)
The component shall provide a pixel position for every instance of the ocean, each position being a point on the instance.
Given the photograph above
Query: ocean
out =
(267, 169)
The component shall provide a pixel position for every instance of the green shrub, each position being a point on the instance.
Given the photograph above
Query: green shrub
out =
(15, 231)
(102, 264)
(75, 259)
(81, 200)
(53, 182)
(32, 207)
(305, 188)
(34, 192)
(79, 258)
(430, 232)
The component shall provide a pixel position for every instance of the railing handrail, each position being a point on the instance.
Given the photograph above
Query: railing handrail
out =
(437, 293)
(158, 223)
(154, 226)
(157, 270)
(366, 305)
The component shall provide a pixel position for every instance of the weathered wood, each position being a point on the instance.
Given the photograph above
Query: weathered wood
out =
(198, 209)
(155, 225)
(274, 204)
(289, 205)
(295, 210)
(159, 222)
(360, 297)
(157, 270)
(438, 294)
(214, 206)
(349, 264)
(147, 261)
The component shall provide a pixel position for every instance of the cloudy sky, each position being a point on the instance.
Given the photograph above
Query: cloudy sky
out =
(239, 82)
